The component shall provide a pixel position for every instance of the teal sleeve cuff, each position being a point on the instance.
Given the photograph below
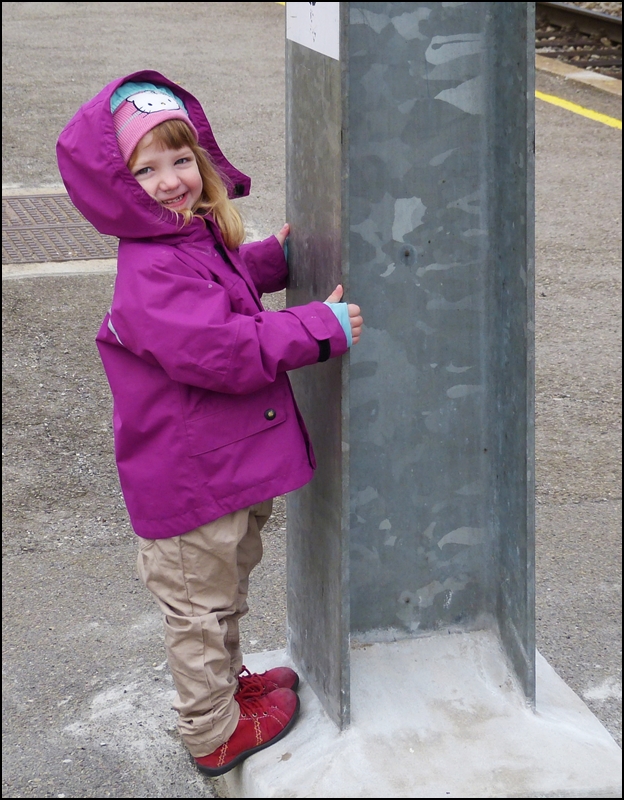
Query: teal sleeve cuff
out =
(342, 315)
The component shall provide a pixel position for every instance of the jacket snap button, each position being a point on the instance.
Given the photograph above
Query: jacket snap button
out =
(270, 414)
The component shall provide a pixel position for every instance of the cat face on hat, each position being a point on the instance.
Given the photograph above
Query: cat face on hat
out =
(150, 102)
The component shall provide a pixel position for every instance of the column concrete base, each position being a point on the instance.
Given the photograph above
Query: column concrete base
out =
(438, 716)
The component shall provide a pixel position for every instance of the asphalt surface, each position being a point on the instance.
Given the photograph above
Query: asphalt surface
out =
(86, 690)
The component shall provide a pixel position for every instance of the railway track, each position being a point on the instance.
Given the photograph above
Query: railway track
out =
(581, 37)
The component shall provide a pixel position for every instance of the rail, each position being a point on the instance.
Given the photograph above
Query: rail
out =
(581, 37)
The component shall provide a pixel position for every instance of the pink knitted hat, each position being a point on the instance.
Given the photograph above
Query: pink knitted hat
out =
(141, 110)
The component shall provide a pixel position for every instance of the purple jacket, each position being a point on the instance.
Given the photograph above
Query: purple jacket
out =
(205, 421)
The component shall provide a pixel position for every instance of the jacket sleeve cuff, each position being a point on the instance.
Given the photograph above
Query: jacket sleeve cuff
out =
(341, 311)
(323, 325)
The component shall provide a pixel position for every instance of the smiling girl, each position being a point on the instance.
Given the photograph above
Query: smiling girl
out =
(206, 426)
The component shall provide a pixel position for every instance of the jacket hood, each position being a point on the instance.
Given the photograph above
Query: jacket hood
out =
(100, 184)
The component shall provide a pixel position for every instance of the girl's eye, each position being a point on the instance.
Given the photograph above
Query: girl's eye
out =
(142, 171)
(183, 160)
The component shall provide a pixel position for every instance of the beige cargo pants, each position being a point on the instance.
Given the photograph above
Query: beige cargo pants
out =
(200, 581)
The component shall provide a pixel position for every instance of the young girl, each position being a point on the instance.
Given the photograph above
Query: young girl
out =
(206, 427)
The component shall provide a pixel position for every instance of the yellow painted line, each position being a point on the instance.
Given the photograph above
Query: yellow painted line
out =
(584, 112)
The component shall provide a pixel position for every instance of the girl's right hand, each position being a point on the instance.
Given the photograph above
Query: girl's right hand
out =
(355, 315)
(282, 235)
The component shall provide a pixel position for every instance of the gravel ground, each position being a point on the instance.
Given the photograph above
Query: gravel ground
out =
(614, 9)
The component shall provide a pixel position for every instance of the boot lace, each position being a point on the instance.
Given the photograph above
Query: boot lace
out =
(250, 699)
(250, 686)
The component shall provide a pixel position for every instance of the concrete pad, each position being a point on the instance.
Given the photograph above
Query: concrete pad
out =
(583, 76)
(95, 266)
(19, 190)
(439, 716)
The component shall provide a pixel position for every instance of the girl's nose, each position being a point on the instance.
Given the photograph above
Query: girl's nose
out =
(169, 179)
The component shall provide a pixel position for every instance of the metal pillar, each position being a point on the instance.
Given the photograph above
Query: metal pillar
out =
(410, 180)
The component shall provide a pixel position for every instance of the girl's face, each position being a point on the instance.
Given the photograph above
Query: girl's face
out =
(169, 176)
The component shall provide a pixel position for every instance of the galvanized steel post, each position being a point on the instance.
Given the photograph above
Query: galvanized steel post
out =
(410, 146)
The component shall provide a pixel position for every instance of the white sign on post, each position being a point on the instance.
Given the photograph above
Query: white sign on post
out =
(315, 25)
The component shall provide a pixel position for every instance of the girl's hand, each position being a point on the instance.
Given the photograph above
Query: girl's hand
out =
(357, 321)
(336, 295)
(281, 236)
(355, 315)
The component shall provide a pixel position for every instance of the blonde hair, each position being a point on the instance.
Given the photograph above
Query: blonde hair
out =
(175, 134)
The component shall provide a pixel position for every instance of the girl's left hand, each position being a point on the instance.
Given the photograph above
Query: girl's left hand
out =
(355, 313)
(281, 236)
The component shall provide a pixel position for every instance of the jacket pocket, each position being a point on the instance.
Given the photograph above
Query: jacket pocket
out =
(243, 420)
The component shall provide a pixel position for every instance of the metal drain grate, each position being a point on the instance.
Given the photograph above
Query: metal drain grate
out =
(40, 228)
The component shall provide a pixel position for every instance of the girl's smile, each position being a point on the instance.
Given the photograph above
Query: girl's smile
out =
(171, 177)
(177, 201)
